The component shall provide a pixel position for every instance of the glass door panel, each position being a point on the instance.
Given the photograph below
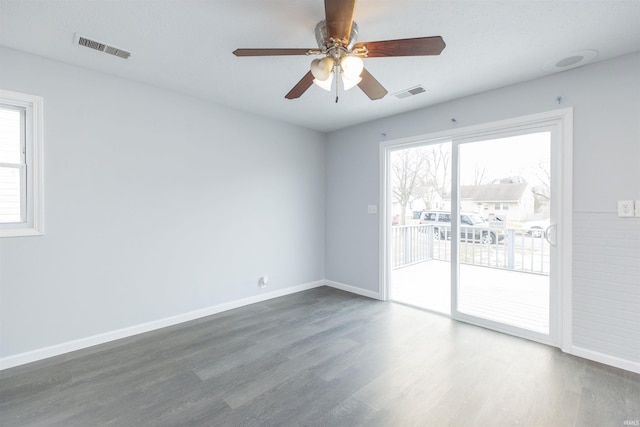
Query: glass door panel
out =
(420, 250)
(505, 210)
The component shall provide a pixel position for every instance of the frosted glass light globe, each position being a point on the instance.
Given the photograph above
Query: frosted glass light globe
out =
(322, 68)
(352, 67)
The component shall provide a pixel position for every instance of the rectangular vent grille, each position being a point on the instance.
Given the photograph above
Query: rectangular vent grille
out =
(102, 47)
(91, 44)
(409, 92)
(117, 52)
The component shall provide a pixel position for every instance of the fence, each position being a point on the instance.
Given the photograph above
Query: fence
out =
(520, 250)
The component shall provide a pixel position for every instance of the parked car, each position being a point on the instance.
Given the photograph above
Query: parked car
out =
(472, 226)
(536, 228)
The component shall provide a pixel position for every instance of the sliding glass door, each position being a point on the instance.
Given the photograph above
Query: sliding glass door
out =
(495, 263)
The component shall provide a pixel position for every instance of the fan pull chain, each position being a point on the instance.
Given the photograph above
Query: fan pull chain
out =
(337, 84)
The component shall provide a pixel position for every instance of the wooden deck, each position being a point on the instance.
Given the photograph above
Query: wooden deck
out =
(514, 298)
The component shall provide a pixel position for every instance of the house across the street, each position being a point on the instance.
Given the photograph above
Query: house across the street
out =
(515, 202)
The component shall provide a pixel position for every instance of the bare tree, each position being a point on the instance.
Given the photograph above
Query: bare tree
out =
(406, 167)
(427, 190)
(421, 172)
(479, 177)
(543, 191)
(439, 162)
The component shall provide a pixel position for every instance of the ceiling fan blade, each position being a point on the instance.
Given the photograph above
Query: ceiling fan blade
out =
(371, 87)
(339, 18)
(269, 52)
(404, 47)
(301, 87)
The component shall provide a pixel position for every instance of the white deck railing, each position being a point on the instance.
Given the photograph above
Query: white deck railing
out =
(518, 251)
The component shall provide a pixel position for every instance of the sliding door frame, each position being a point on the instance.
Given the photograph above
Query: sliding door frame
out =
(560, 122)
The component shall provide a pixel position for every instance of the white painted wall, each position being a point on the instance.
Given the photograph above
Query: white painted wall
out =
(156, 204)
(606, 101)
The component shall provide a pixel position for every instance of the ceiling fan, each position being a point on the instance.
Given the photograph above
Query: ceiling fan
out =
(336, 36)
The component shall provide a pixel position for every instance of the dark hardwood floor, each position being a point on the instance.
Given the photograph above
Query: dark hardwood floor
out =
(319, 358)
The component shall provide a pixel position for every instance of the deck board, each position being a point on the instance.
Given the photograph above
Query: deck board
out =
(515, 298)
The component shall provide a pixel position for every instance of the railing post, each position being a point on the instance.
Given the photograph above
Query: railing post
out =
(394, 252)
(510, 248)
(407, 245)
(429, 231)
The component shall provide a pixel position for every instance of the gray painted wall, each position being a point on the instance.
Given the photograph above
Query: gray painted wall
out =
(606, 101)
(156, 204)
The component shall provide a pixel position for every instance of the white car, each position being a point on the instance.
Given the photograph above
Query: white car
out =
(536, 228)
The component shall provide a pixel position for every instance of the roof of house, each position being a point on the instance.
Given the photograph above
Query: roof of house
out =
(493, 192)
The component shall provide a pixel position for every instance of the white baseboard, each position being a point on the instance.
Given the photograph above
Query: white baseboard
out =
(596, 356)
(82, 343)
(353, 289)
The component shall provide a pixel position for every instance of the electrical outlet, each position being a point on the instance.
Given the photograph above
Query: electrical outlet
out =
(637, 208)
(263, 281)
(625, 208)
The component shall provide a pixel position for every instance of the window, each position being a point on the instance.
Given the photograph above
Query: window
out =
(431, 216)
(20, 164)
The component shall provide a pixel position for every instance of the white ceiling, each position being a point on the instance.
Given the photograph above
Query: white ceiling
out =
(186, 46)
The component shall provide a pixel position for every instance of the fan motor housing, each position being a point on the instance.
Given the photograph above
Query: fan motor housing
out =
(325, 41)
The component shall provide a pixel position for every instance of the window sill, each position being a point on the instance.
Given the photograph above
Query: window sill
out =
(21, 232)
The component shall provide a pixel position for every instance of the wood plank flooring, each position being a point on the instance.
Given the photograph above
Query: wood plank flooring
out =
(319, 358)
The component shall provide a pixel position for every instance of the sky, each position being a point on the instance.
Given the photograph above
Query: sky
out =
(512, 156)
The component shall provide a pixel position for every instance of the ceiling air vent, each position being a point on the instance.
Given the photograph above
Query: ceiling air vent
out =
(409, 92)
(102, 47)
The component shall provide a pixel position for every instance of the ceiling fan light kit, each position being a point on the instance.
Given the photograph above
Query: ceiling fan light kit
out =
(336, 36)
(350, 69)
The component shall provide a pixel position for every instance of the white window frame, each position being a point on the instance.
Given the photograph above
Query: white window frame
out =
(32, 223)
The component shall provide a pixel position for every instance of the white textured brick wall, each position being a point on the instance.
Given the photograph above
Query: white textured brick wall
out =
(606, 284)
